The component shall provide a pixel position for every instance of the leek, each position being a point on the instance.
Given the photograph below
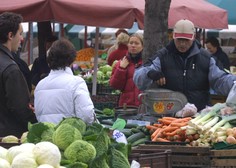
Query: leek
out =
(222, 122)
(214, 111)
(208, 125)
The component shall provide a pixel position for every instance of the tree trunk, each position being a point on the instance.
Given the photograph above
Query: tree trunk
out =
(155, 26)
(44, 30)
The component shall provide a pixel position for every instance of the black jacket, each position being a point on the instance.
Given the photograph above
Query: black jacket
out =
(24, 69)
(14, 97)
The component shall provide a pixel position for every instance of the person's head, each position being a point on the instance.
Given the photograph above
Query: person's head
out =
(50, 40)
(61, 54)
(11, 30)
(183, 35)
(135, 44)
(120, 31)
(122, 38)
(212, 44)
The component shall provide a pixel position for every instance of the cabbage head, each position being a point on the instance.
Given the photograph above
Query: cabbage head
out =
(45, 166)
(47, 153)
(24, 160)
(81, 151)
(3, 152)
(64, 135)
(75, 122)
(10, 139)
(4, 163)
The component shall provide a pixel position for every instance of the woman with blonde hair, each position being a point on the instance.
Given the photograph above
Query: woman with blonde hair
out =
(123, 71)
(122, 41)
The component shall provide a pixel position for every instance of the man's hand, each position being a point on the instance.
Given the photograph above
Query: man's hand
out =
(157, 76)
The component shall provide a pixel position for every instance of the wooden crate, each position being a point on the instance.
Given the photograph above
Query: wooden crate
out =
(185, 156)
(151, 158)
(223, 158)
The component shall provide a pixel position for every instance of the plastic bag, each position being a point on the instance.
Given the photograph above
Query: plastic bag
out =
(189, 110)
(231, 98)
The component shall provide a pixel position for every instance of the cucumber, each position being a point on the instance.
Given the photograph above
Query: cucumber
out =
(126, 132)
(135, 130)
(140, 141)
(135, 137)
(131, 125)
(107, 122)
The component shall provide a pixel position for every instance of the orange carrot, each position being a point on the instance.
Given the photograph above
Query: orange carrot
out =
(155, 132)
(174, 132)
(157, 125)
(149, 127)
(169, 129)
(162, 140)
(179, 124)
(167, 122)
(169, 118)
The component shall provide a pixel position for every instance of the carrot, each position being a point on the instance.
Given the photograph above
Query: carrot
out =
(179, 120)
(162, 140)
(149, 127)
(157, 134)
(169, 129)
(174, 132)
(179, 124)
(169, 118)
(167, 122)
(157, 125)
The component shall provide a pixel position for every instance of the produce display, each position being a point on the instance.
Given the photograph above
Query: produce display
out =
(213, 125)
(70, 144)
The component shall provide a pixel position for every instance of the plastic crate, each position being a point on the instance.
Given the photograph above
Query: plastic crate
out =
(223, 158)
(105, 101)
(151, 158)
(185, 156)
(104, 89)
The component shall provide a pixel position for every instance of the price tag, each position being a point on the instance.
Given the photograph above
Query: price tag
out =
(119, 137)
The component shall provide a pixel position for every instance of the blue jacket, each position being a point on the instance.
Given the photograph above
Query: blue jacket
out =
(192, 76)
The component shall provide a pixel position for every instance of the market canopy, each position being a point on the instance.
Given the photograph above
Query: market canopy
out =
(201, 13)
(229, 6)
(114, 14)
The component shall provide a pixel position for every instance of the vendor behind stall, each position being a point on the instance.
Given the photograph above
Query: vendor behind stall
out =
(184, 66)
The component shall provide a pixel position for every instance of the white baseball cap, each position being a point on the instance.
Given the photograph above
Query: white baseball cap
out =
(184, 29)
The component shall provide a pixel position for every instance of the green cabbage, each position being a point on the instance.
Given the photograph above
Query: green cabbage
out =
(75, 122)
(64, 135)
(117, 159)
(35, 131)
(81, 151)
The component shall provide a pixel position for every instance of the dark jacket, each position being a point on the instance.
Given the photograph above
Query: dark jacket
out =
(222, 59)
(40, 70)
(122, 79)
(14, 97)
(24, 69)
(188, 67)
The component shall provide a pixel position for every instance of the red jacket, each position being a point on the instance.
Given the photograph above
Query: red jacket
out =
(117, 54)
(122, 79)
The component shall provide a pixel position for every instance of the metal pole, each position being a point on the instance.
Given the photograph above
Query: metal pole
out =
(95, 68)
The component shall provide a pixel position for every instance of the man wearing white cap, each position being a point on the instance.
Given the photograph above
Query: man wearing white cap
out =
(184, 66)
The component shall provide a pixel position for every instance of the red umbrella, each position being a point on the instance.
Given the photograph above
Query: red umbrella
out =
(116, 14)
(200, 12)
(31, 10)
